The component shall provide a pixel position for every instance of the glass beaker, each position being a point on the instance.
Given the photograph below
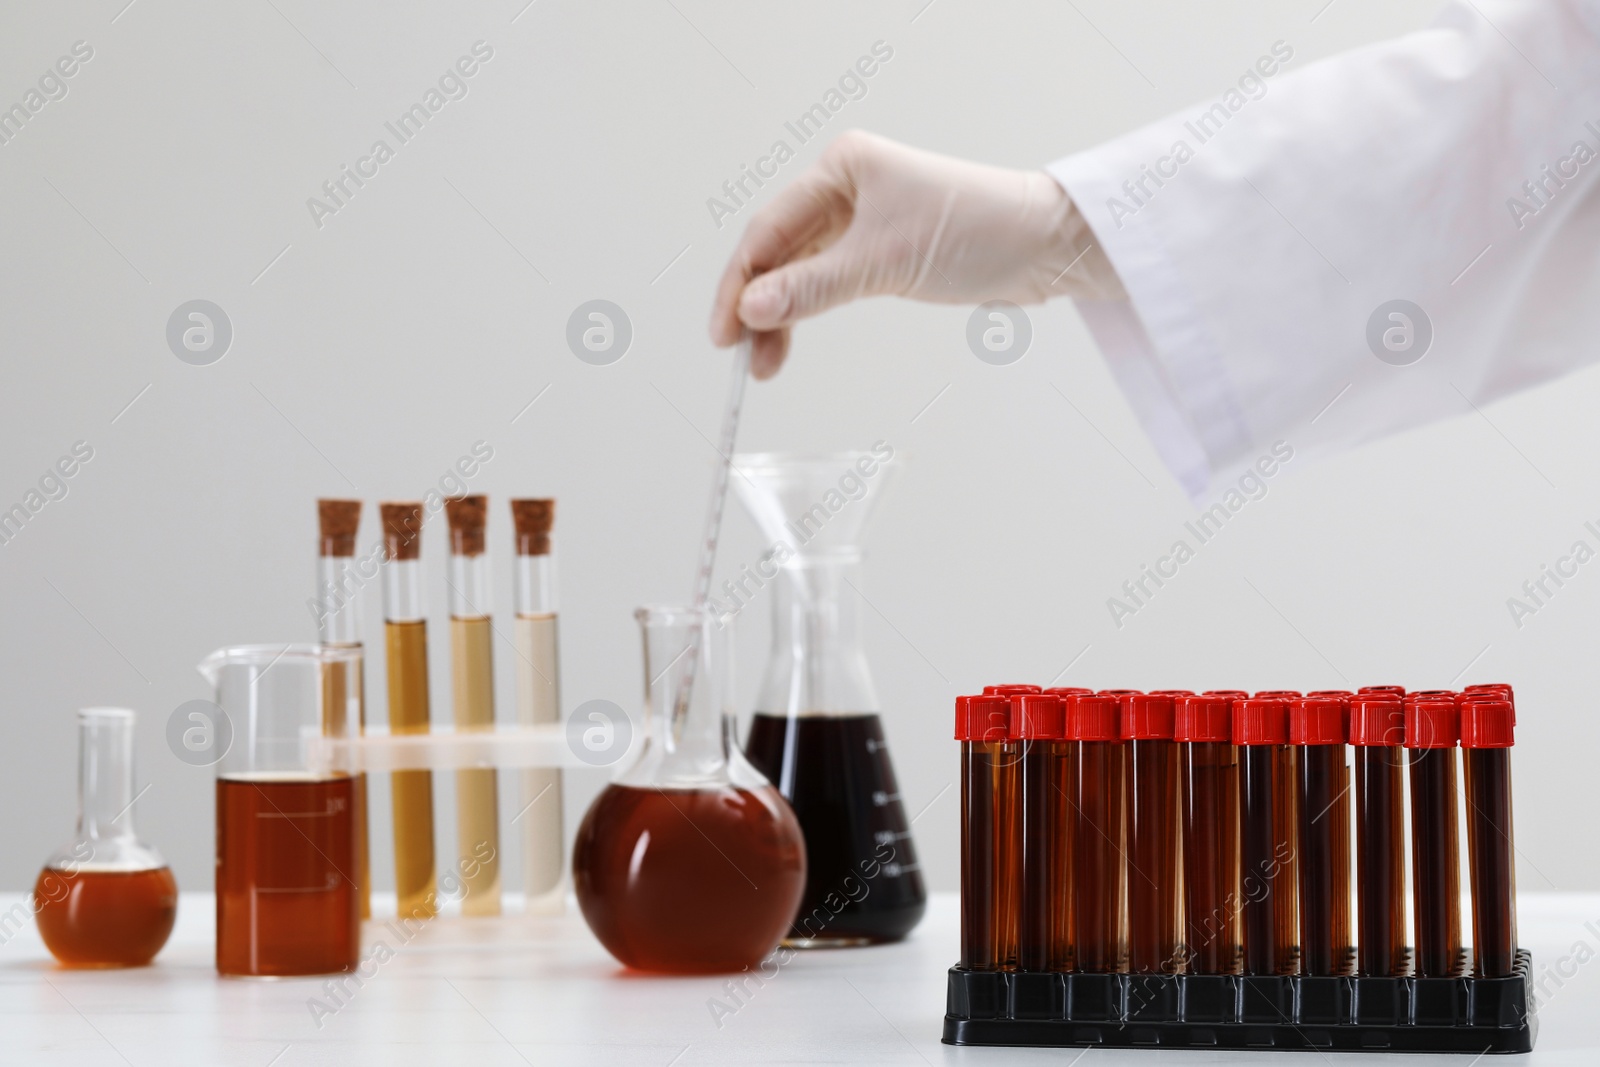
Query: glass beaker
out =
(288, 902)
(816, 732)
(105, 899)
(690, 862)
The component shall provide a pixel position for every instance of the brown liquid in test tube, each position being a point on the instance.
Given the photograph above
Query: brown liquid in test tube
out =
(406, 643)
(1098, 916)
(1432, 730)
(1209, 785)
(1267, 817)
(344, 685)
(1486, 740)
(981, 727)
(472, 687)
(1039, 719)
(1152, 846)
(1377, 731)
(1317, 730)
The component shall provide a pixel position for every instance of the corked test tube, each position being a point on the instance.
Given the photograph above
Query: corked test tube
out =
(1377, 732)
(1432, 730)
(1151, 806)
(1209, 784)
(1486, 739)
(343, 684)
(1044, 941)
(1098, 916)
(538, 701)
(982, 724)
(472, 687)
(1266, 835)
(405, 631)
(1317, 729)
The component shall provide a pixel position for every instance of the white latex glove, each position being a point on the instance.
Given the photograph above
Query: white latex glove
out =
(872, 217)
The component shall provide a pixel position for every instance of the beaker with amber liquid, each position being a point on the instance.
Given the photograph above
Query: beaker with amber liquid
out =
(816, 733)
(690, 862)
(288, 899)
(105, 899)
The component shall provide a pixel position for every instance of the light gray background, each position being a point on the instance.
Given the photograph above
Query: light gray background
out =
(374, 352)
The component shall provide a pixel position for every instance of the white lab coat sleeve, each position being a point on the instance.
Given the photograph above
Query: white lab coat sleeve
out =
(1259, 233)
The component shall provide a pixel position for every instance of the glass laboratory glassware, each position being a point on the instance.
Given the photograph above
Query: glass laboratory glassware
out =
(988, 775)
(1267, 835)
(690, 862)
(538, 701)
(1044, 933)
(405, 631)
(1151, 814)
(1202, 727)
(287, 899)
(1433, 728)
(339, 624)
(472, 690)
(105, 899)
(1099, 896)
(1486, 738)
(1318, 730)
(1377, 732)
(816, 733)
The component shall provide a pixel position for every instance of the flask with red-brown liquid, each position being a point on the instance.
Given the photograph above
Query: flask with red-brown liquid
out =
(691, 863)
(106, 899)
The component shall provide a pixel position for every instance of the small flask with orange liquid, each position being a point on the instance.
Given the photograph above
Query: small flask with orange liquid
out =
(105, 899)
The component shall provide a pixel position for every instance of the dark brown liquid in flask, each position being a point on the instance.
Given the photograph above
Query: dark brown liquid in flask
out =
(688, 881)
(1377, 727)
(1486, 737)
(834, 770)
(105, 918)
(287, 899)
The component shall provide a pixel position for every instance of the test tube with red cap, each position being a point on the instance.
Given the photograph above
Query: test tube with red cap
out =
(1209, 784)
(1432, 731)
(1039, 720)
(1486, 740)
(1266, 834)
(1377, 733)
(987, 760)
(1317, 730)
(1097, 902)
(1151, 808)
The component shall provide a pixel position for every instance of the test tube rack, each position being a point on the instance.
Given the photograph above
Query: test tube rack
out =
(1201, 1011)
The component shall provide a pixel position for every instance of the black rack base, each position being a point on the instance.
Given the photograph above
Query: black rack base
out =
(1469, 1015)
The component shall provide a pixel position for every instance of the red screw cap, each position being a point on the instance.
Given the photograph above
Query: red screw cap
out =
(982, 718)
(1146, 717)
(1008, 690)
(1065, 691)
(1432, 722)
(1038, 717)
(1261, 721)
(1202, 718)
(1317, 721)
(1496, 691)
(1377, 720)
(1092, 718)
(1231, 694)
(1487, 724)
(1278, 694)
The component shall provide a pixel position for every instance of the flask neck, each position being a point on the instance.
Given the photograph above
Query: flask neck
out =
(105, 774)
(817, 664)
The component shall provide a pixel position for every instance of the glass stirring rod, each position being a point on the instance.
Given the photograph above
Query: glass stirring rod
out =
(719, 497)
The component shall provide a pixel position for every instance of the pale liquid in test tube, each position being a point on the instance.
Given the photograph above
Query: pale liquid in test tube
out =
(539, 701)
(477, 810)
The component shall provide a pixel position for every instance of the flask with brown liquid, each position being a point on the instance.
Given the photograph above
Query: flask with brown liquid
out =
(105, 899)
(816, 733)
(690, 863)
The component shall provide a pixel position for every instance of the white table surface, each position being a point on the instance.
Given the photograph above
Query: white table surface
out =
(515, 990)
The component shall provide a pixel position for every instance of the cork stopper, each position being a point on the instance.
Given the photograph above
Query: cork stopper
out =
(534, 518)
(467, 515)
(402, 528)
(338, 520)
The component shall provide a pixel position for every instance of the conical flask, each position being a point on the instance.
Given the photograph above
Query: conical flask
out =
(816, 733)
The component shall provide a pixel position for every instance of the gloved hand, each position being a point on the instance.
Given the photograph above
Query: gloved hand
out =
(873, 217)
